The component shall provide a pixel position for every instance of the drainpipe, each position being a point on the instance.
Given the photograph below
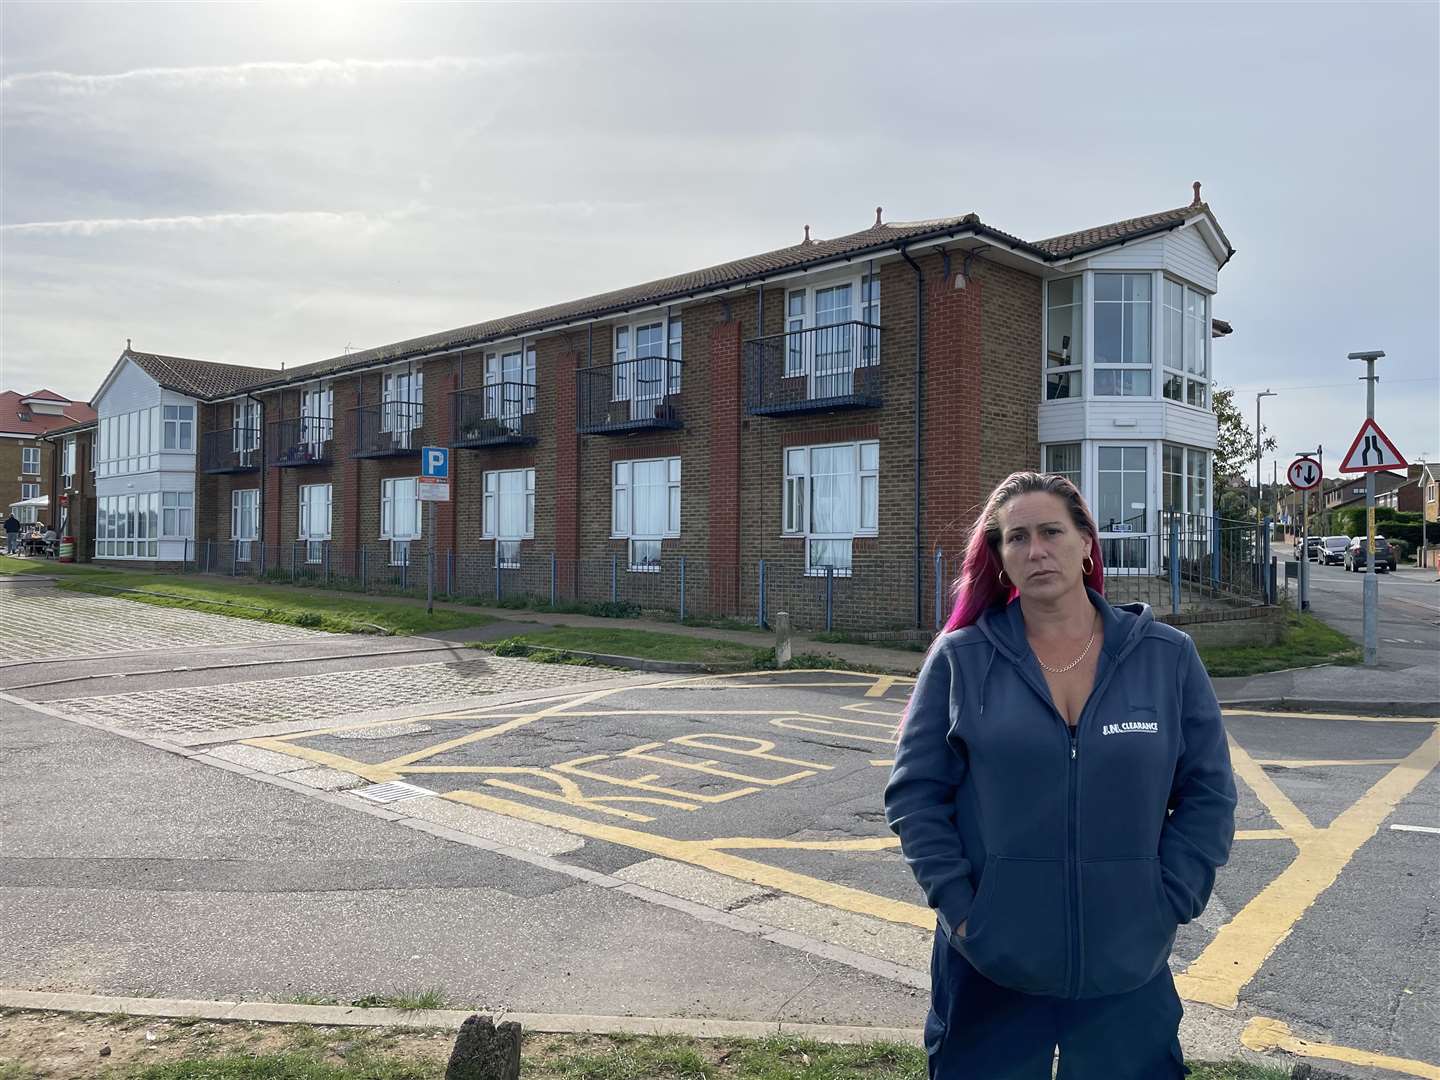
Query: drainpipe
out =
(919, 408)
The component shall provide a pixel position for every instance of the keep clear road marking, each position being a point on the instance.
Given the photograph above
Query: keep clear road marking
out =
(1263, 1034)
(1237, 952)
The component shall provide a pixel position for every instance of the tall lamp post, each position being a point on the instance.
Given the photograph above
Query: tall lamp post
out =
(1259, 498)
(1372, 585)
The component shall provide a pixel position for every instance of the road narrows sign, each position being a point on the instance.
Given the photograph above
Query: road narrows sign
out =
(1304, 474)
(1372, 451)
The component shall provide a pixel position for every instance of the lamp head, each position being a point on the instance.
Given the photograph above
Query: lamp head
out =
(1375, 354)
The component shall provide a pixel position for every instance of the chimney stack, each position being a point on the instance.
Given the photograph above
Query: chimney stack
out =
(1196, 200)
(807, 235)
(878, 211)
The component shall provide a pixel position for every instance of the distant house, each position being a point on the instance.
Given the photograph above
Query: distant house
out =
(24, 420)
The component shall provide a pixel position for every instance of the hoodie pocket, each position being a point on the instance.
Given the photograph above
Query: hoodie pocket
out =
(1127, 928)
(1016, 934)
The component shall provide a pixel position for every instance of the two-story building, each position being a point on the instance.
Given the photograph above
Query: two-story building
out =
(24, 454)
(825, 416)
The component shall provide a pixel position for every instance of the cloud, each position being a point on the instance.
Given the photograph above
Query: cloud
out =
(226, 76)
(205, 222)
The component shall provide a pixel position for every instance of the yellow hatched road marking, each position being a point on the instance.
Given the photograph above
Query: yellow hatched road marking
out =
(1332, 716)
(1242, 945)
(378, 774)
(702, 853)
(757, 843)
(1263, 1034)
(1286, 814)
(882, 686)
(1263, 834)
(1325, 763)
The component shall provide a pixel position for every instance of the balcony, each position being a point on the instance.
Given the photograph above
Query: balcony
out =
(391, 429)
(301, 440)
(822, 369)
(498, 414)
(632, 395)
(230, 450)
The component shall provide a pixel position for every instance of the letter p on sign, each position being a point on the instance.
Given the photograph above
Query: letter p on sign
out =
(435, 461)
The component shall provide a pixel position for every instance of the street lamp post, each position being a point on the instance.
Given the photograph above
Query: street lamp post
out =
(1259, 497)
(1372, 584)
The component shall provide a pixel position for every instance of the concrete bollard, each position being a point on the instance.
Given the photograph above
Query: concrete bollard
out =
(782, 638)
(485, 1052)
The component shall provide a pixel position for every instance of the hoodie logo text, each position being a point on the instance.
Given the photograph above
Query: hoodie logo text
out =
(1149, 727)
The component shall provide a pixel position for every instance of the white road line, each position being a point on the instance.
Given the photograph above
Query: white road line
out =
(1416, 828)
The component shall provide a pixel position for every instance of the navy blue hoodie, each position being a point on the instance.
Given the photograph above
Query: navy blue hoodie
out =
(1071, 862)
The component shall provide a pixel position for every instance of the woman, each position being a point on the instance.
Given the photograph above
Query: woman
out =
(1062, 792)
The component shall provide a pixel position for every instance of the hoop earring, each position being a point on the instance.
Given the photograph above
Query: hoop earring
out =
(1088, 569)
(1000, 577)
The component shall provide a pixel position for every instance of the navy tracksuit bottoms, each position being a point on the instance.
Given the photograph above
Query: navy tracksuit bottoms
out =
(978, 1030)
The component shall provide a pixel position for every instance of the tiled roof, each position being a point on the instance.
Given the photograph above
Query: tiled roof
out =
(46, 395)
(1072, 244)
(17, 418)
(199, 378)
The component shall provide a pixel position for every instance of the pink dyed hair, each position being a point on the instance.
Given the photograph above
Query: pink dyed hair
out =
(979, 585)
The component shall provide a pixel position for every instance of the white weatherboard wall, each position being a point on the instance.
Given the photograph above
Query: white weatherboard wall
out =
(128, 390)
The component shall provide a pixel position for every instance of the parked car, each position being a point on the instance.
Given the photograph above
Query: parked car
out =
(1313, 546)
(1332, 550)
(1355, 555)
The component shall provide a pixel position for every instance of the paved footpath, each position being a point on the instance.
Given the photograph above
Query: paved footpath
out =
(692, 847)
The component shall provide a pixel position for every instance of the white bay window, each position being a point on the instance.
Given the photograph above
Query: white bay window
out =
(1122, 335)
(1064, 338)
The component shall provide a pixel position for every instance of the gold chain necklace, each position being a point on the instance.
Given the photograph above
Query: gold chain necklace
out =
(1073, 663)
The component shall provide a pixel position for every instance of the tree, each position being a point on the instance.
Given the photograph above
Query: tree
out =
(1235, 454)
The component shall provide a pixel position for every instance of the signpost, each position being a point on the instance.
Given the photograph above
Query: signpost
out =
(432, 486)
(1305, 475)
(1371, 452)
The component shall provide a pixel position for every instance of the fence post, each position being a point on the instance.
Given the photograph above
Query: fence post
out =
(939, 586)
(614, 579)
(450, 574)
(1265, 582)
(405, 570)
(829, 597)
(1175, 564)
(760, 617)
(326, 557)
(552, 579)
(294, 551)
(1215, 553)
(497, 571)
(682, 588)
(364, 572)
(262, 560)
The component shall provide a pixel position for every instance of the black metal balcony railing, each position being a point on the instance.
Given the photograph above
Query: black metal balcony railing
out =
(499, 414)
(388, 430)
(230, 450)
(631, 395)
(301, 440)
(816, 370)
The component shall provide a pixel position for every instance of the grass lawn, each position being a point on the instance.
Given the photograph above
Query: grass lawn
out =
(1306, 642)
(646, 644)
(311, 608)
(152, 1049)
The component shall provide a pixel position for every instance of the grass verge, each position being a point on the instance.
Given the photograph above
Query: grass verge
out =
(36, 1046)
(1305, 642)
(267, 603)
(645, 644)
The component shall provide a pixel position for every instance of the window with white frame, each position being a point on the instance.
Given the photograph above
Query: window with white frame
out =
(1122, 335)
(128, 442)
(30, 460)
(244, 521)
(245, 427)
(1064, 338)
(68, 462)
(177, 515)
(510, 385)
(399, 517)
(831, 495)
(315, 520)
(403, 403)
(647, 363)
(1197, 481)
(317, 412)
(30, 491)
(509, 513)
(179, 431)
(823, 340)
(1063, 459)
(1187, 337)
(1122, 506)
(126, 526)
(94, 445)
(645, 507)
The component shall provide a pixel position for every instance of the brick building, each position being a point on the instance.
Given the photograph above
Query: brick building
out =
(25, 458)
(811, 425)
(70, 474)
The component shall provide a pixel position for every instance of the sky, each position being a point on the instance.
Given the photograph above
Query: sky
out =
(269, 184)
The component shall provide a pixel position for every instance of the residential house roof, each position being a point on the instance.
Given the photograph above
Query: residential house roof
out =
(16, 419)
(199, 378)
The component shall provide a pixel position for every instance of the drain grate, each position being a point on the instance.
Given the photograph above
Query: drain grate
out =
(391, 791)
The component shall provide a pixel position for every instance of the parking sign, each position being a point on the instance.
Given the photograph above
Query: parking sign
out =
(435, 461)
